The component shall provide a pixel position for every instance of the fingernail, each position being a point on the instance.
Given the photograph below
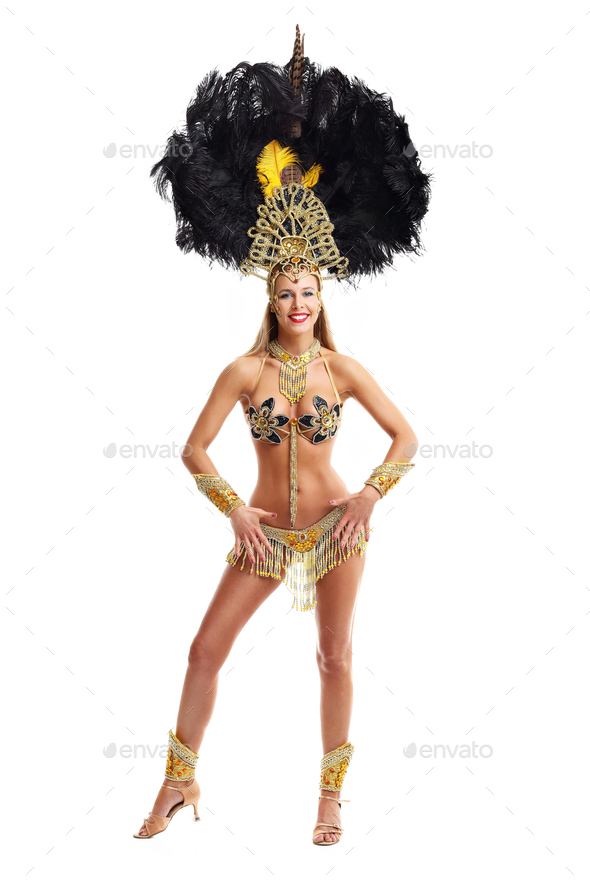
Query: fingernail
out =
(274, 514)
(330, 502)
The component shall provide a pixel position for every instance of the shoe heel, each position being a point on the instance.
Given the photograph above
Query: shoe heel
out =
(196, 815)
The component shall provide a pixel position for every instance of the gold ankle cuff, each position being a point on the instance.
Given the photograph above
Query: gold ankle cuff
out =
(180, 763)
(333, 767)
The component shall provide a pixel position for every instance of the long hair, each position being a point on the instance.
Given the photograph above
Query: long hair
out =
(270, 329)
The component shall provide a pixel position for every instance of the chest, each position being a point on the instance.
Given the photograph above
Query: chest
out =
(316, 416)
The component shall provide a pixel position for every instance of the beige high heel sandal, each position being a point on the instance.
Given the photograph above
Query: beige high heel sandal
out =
(190, 795)
(180, 767)
(332, 827)
(333, 769)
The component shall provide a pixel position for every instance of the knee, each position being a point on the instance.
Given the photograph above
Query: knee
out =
(334, 662)
(203, 656)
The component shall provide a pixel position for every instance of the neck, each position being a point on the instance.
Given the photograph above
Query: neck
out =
(295, 344)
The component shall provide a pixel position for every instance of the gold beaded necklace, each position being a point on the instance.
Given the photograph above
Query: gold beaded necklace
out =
(293, 374)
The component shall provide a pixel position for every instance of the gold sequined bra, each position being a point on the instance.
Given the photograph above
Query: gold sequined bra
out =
(265, 426)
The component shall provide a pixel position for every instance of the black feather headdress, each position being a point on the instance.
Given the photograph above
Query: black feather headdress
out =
(370, 183)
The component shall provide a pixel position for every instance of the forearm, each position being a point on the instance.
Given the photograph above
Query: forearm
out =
(199, 462)
(402, 449)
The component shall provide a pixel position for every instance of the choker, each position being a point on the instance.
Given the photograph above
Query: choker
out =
(293, 374)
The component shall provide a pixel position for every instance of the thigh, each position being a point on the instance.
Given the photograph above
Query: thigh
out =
(238, 595)
(337, 594)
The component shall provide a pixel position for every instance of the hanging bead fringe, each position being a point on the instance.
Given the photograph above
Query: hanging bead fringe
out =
(302, 569)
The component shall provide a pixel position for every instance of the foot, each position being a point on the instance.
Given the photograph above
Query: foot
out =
(329, 813)
(166, 800)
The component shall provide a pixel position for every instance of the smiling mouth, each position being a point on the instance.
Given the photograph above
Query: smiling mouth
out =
(299, 317)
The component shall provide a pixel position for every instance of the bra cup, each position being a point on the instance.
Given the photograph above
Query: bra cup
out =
(325, 423)
(263, 422)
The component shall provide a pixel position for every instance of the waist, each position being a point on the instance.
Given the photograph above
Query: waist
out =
(305, 538)
(314, 492)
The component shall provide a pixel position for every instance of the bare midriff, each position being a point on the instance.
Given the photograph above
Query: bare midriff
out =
(317, 482)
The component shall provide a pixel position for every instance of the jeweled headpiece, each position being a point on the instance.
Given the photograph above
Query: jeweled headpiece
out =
(293, 236)
(262, 126)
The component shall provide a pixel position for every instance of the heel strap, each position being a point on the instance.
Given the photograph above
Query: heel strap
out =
(182, 787)
(333, 798)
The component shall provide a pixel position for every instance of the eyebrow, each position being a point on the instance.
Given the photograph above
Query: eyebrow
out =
(307, 289)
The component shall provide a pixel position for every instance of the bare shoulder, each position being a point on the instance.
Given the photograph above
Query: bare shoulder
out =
(346, 367)
(241, 372)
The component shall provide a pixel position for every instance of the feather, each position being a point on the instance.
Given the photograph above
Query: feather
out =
(371, 183)
(271, 162)
(312, 175)
(296, 64)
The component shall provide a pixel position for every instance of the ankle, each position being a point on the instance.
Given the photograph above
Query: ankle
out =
(176, 784)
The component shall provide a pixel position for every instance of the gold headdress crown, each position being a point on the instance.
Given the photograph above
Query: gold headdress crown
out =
(293, 235)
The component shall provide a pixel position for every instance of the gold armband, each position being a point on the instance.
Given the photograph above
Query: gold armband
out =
(219, 492)
(386, 476)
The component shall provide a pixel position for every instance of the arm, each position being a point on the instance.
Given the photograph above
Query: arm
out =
(245, 520)
(362, 386)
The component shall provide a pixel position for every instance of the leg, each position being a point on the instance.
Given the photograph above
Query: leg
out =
(238, 596)
(336, 604)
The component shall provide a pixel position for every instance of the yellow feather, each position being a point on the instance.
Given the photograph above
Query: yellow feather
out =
(271, 161)
(311, 176)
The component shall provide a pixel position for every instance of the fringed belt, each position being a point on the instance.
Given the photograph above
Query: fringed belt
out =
(305, 554)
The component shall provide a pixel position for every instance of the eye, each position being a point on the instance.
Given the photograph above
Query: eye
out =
(309, 293)
(286, 295)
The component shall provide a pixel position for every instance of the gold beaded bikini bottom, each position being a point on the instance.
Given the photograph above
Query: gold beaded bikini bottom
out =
(305, 554)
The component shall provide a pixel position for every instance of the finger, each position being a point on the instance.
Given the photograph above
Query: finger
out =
(237, 545)
(248, 546)
(367, 531)
(258, 548)
(265, 541)
(265, 513)
(355, 535)
(346, 534)
(339, 528)
(339, 500)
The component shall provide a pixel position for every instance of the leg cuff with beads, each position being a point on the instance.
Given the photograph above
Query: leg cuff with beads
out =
(333, 767)
(180, 763)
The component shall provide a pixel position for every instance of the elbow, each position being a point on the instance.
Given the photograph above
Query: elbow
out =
(410, 444)
(190, 457)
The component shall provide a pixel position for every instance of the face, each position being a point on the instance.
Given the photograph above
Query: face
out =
(299, 303)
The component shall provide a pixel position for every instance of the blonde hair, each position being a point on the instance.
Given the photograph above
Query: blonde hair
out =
(270, 329)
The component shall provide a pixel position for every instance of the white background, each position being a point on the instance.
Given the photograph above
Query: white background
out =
(471, 624)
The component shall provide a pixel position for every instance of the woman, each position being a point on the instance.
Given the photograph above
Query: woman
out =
(251, 380)
(296, 135)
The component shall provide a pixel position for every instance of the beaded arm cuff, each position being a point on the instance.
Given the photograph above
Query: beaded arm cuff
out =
(219, 492)
(386, 476)
(334, 765)
(180, 762)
